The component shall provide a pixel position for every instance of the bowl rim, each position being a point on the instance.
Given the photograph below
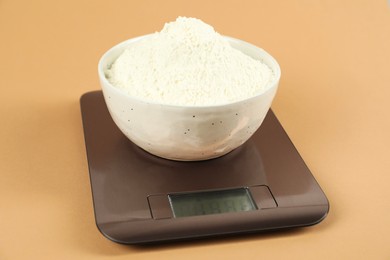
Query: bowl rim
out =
(122, 45)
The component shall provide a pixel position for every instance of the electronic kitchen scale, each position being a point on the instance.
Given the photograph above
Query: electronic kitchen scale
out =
(140, 198)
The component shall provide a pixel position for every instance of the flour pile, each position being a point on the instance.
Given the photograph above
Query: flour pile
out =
(188, 64)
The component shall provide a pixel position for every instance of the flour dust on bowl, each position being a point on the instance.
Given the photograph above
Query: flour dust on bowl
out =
(187, 99)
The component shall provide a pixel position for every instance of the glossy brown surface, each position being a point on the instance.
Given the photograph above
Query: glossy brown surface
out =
(131, 187)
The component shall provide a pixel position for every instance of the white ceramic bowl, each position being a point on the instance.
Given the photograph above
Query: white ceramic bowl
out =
(187, 133)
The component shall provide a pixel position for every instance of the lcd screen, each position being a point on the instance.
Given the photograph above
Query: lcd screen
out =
(211, 202)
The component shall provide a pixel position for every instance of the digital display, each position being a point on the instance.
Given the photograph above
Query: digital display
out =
(211, 202)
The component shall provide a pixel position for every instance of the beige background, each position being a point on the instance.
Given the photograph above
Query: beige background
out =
(333, 101)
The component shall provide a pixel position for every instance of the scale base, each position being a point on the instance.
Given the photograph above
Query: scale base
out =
(130, 187)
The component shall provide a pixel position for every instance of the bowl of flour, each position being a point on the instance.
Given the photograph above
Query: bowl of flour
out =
(188, 93)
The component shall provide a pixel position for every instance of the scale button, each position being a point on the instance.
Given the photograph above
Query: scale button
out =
(160, 207)
(263, 197)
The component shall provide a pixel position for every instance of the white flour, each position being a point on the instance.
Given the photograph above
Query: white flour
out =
(188, 64)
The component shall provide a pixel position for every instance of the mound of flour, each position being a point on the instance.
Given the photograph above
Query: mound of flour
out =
(188, 64)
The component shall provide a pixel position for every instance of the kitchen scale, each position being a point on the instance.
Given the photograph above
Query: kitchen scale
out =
(140, 198)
